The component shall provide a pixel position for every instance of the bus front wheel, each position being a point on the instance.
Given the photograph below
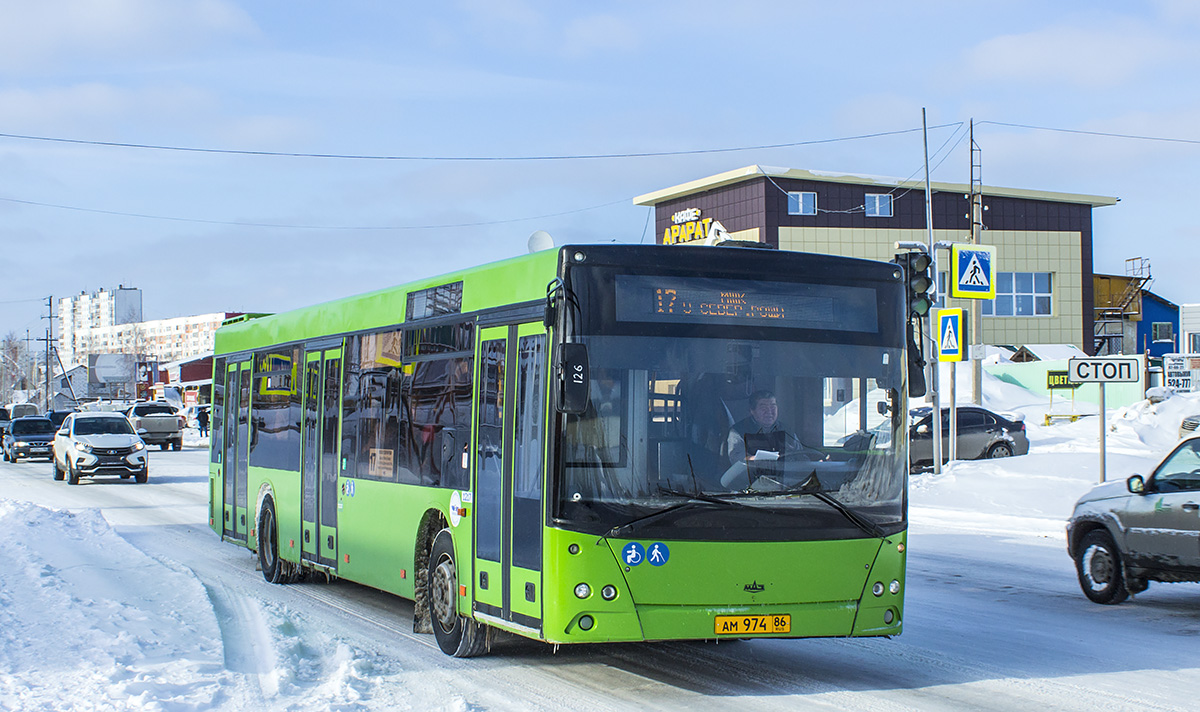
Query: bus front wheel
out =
(455, 634)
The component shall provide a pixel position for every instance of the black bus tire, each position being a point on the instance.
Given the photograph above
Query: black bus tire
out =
(455, 634)
(274, 568)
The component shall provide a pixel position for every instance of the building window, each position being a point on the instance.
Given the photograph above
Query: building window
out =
(802, 203)
(1162, 331)
(879, 205)
(1194, 343)
(1021, 294)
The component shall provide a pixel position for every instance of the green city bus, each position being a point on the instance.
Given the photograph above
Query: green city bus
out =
(545, 445)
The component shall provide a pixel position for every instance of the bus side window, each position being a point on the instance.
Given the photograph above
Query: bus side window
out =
(440, 398)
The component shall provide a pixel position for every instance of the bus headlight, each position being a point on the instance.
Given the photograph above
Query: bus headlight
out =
(877, 589)
(583, 590)
(609, 592)
(894, 586)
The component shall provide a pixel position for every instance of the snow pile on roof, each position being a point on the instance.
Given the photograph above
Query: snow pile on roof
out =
(1054, 352)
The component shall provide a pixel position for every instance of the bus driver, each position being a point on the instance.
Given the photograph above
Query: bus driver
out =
(759, 440)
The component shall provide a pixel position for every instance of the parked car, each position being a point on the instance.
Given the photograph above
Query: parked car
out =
(1188, 426)
(1123, 535)
(163, 425)
(92, 444)
(981, 434)
(30, 437)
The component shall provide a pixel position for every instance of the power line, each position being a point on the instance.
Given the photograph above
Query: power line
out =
(310, 227)
(368, 157)
(862, 208)
(1092, 133)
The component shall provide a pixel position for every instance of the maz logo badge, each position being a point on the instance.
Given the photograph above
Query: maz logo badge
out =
(754, 587)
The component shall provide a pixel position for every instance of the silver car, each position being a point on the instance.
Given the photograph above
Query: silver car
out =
(1125, 534)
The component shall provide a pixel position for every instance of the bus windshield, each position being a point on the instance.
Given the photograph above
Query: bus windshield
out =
(730, 439)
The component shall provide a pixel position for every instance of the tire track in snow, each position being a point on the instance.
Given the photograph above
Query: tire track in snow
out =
(247, 642)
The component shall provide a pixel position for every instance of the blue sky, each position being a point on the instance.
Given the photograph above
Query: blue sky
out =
(512, 78)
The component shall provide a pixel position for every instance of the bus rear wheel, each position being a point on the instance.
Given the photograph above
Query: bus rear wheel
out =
(455, 634)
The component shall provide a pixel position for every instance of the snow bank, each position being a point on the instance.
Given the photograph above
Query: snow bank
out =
(83, 611)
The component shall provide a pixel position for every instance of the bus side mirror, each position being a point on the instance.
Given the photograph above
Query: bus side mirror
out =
(574, 380)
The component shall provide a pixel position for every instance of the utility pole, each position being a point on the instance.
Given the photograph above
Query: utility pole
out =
(49, 341)
(935, 367)
(976, 321)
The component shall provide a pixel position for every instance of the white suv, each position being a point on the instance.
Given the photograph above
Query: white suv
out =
(90, 444)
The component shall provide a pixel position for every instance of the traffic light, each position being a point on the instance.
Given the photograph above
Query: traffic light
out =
(917, 282)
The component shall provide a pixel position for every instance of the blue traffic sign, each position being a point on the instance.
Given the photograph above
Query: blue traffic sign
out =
(974, 270)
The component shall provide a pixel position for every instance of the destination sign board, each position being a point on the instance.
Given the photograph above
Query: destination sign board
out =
(746, 303)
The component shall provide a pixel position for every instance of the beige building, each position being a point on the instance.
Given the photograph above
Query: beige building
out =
(163, 339)
(1043, 240)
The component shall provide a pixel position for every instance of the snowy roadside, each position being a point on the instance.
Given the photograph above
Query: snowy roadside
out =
(84, 616)
(88, 621)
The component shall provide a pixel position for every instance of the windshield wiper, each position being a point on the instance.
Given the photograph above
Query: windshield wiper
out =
(692, 499)
(812, 486)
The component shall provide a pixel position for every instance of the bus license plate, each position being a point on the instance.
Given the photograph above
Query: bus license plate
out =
(742, 625)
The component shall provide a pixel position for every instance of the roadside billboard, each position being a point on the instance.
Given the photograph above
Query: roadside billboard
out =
(1181, 371)
(112, 376)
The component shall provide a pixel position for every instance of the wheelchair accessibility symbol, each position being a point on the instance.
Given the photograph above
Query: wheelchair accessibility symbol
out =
(633, 554)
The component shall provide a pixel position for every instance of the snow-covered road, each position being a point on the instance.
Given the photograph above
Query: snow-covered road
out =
(155, 613)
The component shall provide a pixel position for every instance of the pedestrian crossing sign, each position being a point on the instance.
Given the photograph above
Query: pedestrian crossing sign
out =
(950, 335)
(974, 271)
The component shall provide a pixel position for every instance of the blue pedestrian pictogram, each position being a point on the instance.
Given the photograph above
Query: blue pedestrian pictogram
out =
(659, 553)
(633, 554)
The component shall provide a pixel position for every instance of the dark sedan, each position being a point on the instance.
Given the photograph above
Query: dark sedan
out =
(981, 434)
(31, 436)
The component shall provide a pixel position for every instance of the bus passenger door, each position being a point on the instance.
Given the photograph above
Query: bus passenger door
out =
(509, 473)
(234, 459)
(319, 457)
